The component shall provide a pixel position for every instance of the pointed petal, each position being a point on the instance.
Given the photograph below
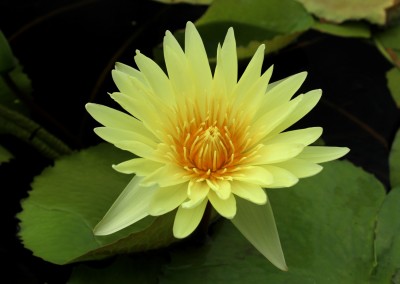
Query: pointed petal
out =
(249, 191)
(156, 78)
(321, 154)
(187, 219)
(138, 148)
(167, 175)
(197, 192)
(253, 174)
(198, 60)
(130, 207)
(257, 224)
(300, 168)
(226, 208)
(131, 72)
(166, 199)
(114, 135)
(282, 177)
(275, 153)
(309, 101)
(304, 136)
(139, 166)
(228, 60)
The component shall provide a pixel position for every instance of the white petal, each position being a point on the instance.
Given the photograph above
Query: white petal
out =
(139, 166)
(249, 191)
(187, 219)
(225, 207)
(304, 136)
(253, 174)
(321, 154)
(276, 153)
(257, 224)
(282, 177)
(166, 199)
(130, 207)
(300, 168)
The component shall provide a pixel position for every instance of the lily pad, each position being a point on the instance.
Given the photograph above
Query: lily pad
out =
(339, 11)
(348, 29)
(5, 155)
(393, 79)
(388, 42)
(69, 199)
(387, 243)
(326, 224)
(394, 161)
(7, 60)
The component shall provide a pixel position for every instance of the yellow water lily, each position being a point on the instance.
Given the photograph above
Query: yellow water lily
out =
(202, 138)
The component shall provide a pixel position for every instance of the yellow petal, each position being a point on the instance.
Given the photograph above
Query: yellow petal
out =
(166, 199)
(225, 207)
(139, 166)
(304, 136)
(196, 192)
(132, 72)
(167, 175)
(221, 187)
(254, 174)
(228, 60)
(282, 177)
(309, 101)
(276, 153)
(321, 154)
(131, 206)
(249, 191)
(113, 135)
(198, 60)
(257, 224)
(156, 78)
(187, 219)
(300, 168)
(138, 148)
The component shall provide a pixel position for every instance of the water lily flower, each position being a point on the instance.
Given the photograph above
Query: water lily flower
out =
(201, 138)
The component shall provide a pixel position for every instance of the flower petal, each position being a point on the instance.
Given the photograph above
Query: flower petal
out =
(257, 224)
(304, 136)
(300, 168)
(167, 175)
(253, 174)
(166, 199)
(114, 135)
(187, 219)
(249, 191)
(139, 166)
(321, 154)
(310, 99)
(282, 177)
(132, 72)
(228, 60)
(130, 207)
(197, 192)
(198, 60)
(276, 153)
(225, 207)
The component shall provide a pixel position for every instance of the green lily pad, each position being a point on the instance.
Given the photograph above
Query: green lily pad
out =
(387, 243)
(394, 161)
(69, 199)
(5, 155)
(194, 2)
(393, 79)
(348, 29)
(326, 224)
(339, 11)
(388, 42)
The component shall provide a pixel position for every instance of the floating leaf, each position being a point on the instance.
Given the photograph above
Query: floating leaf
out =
(349, 29)
(388, 42)
(393, 78)
(69, 199)
(7, 60)
(195, 2)
(5, 155)
(339, 11)
(326, 225)
(387, 243)
(394, 161)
